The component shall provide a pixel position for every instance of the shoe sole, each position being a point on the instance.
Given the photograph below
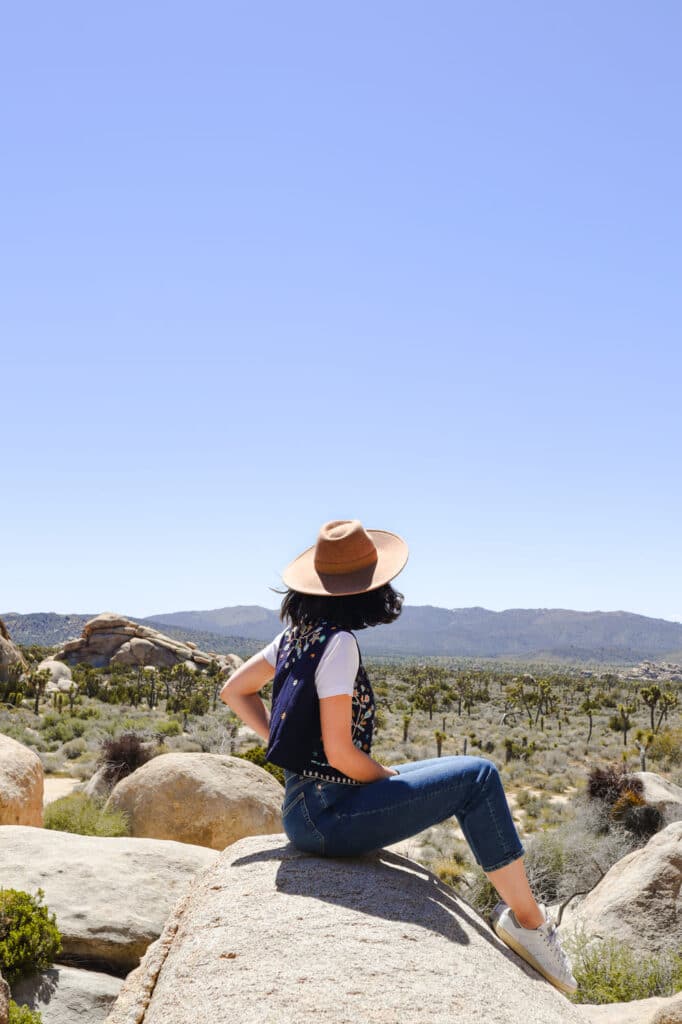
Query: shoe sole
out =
(510, 941)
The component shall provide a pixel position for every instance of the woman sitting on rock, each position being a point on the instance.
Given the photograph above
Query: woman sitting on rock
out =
(339, 801)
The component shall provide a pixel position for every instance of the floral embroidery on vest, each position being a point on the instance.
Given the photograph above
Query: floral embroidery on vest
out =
(299, 654)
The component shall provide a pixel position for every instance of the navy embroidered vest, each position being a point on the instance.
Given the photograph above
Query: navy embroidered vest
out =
(295, 740)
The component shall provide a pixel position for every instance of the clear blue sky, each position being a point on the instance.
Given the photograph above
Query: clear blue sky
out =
(266, 264)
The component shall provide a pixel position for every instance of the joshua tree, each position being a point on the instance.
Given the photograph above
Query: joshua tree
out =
(622, 722)
(651, 695)
(667, 703)
(440, 736)
(643, 742)
(406, 725)
(38, 678)
(588, 707)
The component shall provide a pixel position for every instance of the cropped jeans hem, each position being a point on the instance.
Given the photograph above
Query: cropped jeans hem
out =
(337, 820)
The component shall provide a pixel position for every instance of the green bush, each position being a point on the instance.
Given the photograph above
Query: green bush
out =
(257, 756)
(171, 727)
(29, 937)
(23, 1015)
(86, 817)
(609, 972)
(667, 747)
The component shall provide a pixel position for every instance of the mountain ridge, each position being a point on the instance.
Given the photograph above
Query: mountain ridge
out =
(421, 631)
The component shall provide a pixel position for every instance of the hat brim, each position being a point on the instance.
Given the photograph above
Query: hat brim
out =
(392, 551)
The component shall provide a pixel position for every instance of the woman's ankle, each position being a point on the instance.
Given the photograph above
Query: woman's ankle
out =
(529, 917)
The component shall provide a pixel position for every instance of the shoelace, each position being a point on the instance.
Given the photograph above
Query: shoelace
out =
(551, 937)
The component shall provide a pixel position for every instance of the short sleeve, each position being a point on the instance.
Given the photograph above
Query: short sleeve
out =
(335, 675)
(270, 652)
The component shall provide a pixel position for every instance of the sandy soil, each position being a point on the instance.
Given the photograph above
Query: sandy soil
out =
(56, 787)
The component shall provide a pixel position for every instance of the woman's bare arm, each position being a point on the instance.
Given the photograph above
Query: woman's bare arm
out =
(240, 693)
(336, 720)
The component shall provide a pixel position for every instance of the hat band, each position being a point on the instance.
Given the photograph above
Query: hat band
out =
(350, 565)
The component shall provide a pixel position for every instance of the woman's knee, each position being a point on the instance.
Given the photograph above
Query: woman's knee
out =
(481, 771)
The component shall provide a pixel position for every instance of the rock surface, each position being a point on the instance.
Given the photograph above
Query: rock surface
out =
(639, 1011)
(66, 995)
(61, 679)
(21, 784)
(639, 900)
(9, 652)
(269, 934)
(111, 638)
(671, 1013)
(205, 799)
(110, 896)
(664, 795)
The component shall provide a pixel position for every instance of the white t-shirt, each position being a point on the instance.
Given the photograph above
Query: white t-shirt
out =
(338, 666)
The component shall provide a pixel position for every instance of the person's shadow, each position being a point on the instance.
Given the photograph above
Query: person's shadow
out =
(382, 884)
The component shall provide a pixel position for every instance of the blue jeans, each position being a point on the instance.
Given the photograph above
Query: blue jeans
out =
(333, 819)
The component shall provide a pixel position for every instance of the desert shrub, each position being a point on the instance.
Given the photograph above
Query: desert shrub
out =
(74, 749)
(481, 894)
(85, 713)
(619, 795)
(171, 727)
(86, 817)
(57, 729)
(121, 755)
(610, 972)
(608, 782)
(23, 1014)
(636, 815)
(29, 937)
(666, 747)
(452, 870)
(257, 756)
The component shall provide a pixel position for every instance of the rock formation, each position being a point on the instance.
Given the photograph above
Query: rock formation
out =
(110, 896)
(657, 1010)
(665, 796)
(9, 652)
(61, 680)
(270, 934)
(639, 900)
(21, 784)
(67, 995)
(205, 799)
(111, 638)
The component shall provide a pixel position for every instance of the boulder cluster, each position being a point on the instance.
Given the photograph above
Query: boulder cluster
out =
(207, 913)
(113, 639)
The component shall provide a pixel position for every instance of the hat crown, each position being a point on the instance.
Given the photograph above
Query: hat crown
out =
(344, 545)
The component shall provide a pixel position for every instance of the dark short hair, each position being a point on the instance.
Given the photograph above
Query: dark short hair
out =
(352, 611)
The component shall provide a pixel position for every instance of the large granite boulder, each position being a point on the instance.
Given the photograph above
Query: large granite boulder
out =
(67, 995)
(657, 1010)
(110, 896)
(61, 679)
(205, 799)
(272, 934)
(21, 784)
(9, 652)
(111, 638)
(662, 794)
(639, 900)
(670, 1013)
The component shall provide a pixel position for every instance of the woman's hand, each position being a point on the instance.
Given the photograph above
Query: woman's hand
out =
(336, 715)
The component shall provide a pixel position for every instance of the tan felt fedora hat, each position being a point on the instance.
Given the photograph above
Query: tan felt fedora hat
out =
(347, 559)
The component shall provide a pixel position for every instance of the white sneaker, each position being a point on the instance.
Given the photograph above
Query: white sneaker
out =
(539, 947)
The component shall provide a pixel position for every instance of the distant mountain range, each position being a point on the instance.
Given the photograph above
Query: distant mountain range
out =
(533, 634)
(551, 633)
